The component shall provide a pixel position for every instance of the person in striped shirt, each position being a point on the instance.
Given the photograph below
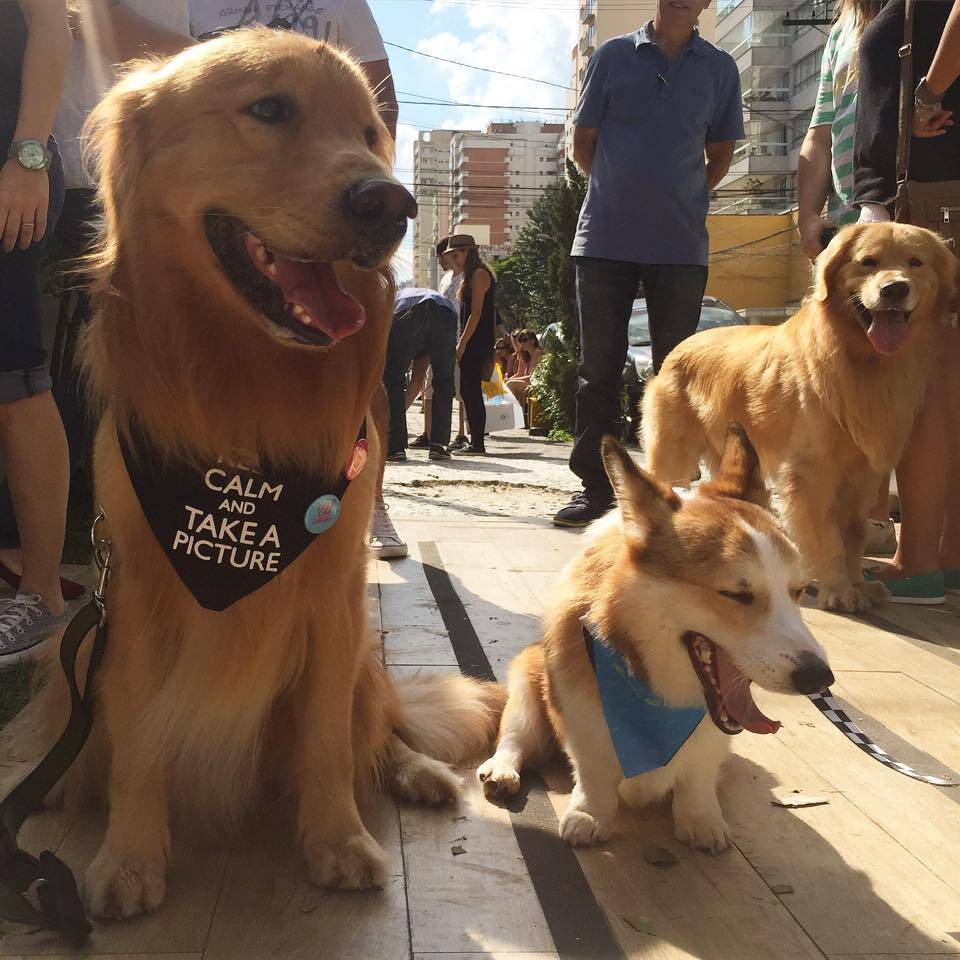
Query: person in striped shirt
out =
(825, 169)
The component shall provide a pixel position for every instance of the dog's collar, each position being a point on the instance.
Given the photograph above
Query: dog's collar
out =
(229, 529)
(646, 732)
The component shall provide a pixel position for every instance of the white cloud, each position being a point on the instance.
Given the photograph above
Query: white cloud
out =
(532, 43)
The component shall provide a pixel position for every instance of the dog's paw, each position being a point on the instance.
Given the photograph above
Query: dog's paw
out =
(118, 887)
(421, 779)
(582, 829)
(708, 833)
(874, 591)
(848, 599)
(355, 864)
(499, 777)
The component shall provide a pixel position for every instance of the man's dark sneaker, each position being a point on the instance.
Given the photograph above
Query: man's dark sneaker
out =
(439, 453)
(421, 443)
(472, 449)
(399, 457)
(460, 443)
(582, 510)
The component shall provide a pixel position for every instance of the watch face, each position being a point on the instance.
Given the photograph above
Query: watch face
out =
(31, 156)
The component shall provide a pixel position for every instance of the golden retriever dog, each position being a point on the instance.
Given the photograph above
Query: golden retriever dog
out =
(242, 306)
(828, 398)
(699, 595)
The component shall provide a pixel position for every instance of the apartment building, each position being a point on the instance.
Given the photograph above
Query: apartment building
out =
(779, 63)
(485, 185)
(431, 179)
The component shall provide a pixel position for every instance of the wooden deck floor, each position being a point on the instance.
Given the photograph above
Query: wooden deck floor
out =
(873, 874)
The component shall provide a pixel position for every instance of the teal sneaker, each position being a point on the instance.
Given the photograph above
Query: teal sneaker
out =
(951, 578)
(924, 588)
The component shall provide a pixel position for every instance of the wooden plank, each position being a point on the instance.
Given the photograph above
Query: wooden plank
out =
(479, 902)
(181, 924)
(855, 888)
(937, 624)
(702, 906)
(269, 908)
(913, 711)
(497, 955)
(117, 956)
(893, 956)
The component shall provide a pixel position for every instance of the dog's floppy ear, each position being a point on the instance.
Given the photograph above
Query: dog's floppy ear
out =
(739, 475)
(831, 259)
(645, 503)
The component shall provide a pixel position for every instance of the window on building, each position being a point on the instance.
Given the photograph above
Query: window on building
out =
(806, 71)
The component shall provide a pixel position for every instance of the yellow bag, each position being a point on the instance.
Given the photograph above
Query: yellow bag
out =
(495, 386)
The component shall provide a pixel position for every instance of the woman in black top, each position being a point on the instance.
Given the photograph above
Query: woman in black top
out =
(478, 313)
(927, 561)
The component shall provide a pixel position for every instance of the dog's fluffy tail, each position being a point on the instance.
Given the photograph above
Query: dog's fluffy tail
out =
(450, 718)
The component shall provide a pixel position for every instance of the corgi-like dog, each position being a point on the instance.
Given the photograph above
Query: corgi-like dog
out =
(699, 595)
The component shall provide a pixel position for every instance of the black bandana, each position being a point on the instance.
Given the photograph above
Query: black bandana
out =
(229, 529)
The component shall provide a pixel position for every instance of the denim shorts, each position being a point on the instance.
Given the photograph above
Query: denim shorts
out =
(23, 361)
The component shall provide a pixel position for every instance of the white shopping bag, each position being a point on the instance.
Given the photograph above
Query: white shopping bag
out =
(503, 413)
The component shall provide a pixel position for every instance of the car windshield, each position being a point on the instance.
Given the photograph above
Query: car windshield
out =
(639, 330)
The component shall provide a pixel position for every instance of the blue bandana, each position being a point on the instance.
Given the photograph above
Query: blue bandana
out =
(646, 732)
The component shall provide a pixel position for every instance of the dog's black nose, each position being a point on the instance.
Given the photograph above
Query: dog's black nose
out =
(812, 675)
(381, 203)
(896, 290)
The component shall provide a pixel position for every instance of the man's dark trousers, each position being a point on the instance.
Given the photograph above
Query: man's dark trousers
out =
(606, 290)
(426, 328)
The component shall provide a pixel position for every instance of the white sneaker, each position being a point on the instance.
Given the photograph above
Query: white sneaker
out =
(384, 539)
(25, 623)
(881, 537)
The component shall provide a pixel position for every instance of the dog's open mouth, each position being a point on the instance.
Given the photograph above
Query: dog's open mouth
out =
(726, 689)
(302, 300)
(886, 329)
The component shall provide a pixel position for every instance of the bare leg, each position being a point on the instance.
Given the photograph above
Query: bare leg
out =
(923, 477)
(38, 470)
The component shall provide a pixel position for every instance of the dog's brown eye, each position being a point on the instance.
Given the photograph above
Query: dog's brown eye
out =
(270, 110)
(370, 134)
(798, 593)
(744, 597)
(868, 262)
(914, 262)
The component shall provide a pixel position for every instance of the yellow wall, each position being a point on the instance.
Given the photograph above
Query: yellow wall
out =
(756, 261)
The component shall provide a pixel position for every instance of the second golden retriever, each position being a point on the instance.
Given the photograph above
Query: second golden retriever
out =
(828, 398)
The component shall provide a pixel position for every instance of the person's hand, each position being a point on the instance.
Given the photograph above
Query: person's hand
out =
(810, 230)
(873, 213)
(24, 196)
(933, 126)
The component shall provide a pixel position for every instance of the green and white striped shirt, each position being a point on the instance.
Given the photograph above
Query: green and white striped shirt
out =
(837, 106)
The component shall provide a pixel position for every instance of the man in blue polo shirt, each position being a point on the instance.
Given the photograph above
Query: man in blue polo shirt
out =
(656, 126)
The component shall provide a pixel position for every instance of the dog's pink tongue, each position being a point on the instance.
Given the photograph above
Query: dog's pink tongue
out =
(887, 331)
(315, 288)
(735, 690)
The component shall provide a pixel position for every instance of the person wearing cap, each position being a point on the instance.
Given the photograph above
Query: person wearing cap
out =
(478, 312)
(655, 130)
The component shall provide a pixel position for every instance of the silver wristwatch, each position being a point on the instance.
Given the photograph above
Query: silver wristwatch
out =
(31, 154)
(925, 102)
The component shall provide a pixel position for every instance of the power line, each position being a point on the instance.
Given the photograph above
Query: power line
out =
(472, 66)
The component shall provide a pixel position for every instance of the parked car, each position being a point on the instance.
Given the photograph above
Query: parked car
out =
(639, 366)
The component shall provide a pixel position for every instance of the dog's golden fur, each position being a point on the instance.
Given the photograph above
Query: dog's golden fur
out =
(828, 414)
(286, 686)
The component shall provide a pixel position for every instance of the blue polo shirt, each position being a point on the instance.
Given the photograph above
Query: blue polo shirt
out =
(647, 198)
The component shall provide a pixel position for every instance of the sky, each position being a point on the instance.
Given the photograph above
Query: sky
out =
(532, 38)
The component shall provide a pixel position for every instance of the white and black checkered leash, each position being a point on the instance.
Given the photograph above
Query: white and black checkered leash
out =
(832, 710)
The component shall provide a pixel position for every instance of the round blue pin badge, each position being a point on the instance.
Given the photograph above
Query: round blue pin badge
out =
(322, 514)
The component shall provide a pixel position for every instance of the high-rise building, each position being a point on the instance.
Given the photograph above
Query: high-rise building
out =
(431, 186)
(779, 63)
(485, 186)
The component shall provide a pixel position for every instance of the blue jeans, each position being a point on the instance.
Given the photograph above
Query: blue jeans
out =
(606, 290)
(425, 328)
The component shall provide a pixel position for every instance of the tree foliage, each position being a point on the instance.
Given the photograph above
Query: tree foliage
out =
(535, 287)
